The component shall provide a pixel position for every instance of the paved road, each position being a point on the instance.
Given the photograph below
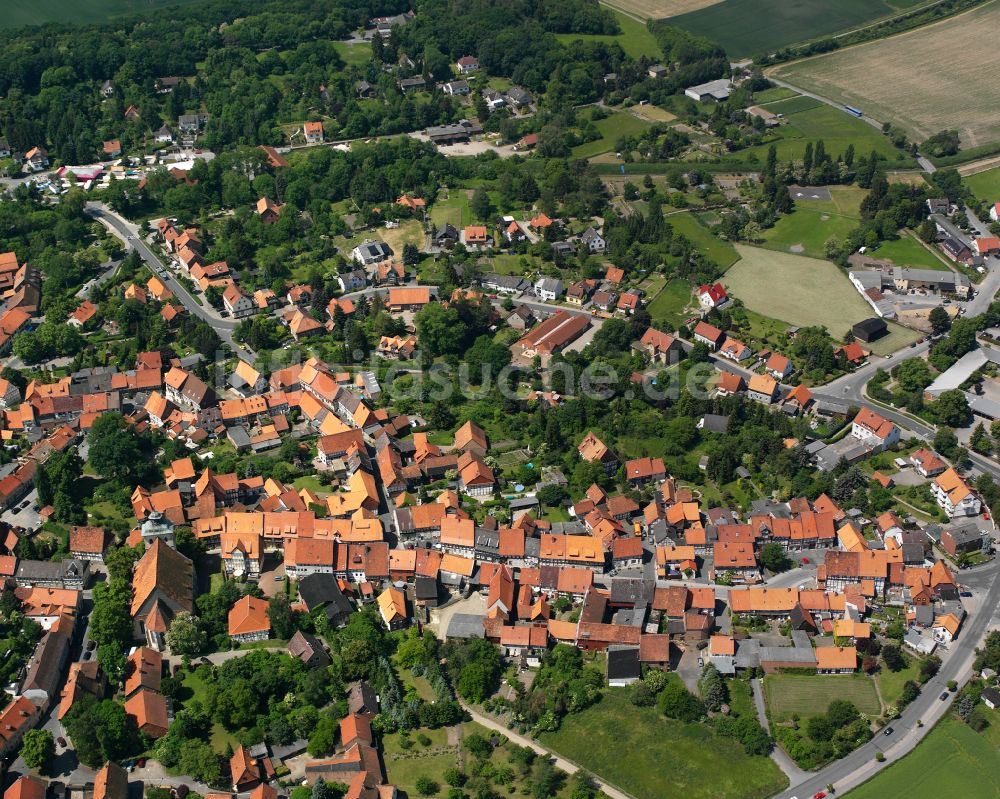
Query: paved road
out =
(861, 765)
(565, 765)
(839, 106)
(129, 233)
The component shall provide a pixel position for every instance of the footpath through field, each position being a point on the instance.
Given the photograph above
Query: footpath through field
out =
(566, 765)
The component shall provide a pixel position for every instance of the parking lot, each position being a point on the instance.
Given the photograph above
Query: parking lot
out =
(25, 513)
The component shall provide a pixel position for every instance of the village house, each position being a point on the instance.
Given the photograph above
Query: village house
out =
(711, 296)
(707, 334)
(874, 430)
(238, 304)
(954, 495)
(249, 621)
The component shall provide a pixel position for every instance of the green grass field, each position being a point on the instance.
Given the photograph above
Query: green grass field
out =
(669, 304)
(985, 185)
(752, 27)
(611, 128)
(635, 39)
(454, 210)
(907, 251)
(21, 12)
(804, 291)
(637, 750)
(359, 53)
(792, 104)
(806, 232)
(890, 683)
(791, 694)
(808, 121)
(722, 252)
(951, 761)
(813, 222)
(798, 290)
(771, 95)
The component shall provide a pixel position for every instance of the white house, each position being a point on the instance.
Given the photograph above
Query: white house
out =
(371, 252)
(593, 240)
(164, 135)
(995, 212)
(237, 303)
(549, 288)
(874, 430)
(467, 64)
(712, 296)
(954, 495)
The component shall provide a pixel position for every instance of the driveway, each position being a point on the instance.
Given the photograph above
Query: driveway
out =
(441, 617)
(688, 669)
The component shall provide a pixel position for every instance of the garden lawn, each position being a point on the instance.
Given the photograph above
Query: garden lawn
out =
(952, 760)
(353, 54)
(804, 695)
(454, 210)
(669, 304)
(650, 757)
(890, 683)
(907, 251)
(635, 39)
(985, 185)
(722, 252)
(611, 128)
(193, 682)
(312, 483)
(408, 232)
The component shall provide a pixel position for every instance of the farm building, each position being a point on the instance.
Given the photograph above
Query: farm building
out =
(714, 91)
(869, 329)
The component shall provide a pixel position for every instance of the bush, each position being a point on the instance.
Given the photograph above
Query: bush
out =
(426, 786)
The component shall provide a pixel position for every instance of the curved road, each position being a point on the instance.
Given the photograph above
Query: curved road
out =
(860, 765)
(130, 234)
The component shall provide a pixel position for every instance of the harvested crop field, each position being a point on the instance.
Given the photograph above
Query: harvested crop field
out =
(930, 79)
(658, 9)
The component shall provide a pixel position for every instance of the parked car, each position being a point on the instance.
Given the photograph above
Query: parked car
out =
(887, 731)
(944, 696)
(61, 741)
(91, 645)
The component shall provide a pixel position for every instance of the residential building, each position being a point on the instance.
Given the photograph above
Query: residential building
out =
(249, 620)
(874, 430)
(238, 304)
(711, 296)
(707, 334)
(954, 495)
